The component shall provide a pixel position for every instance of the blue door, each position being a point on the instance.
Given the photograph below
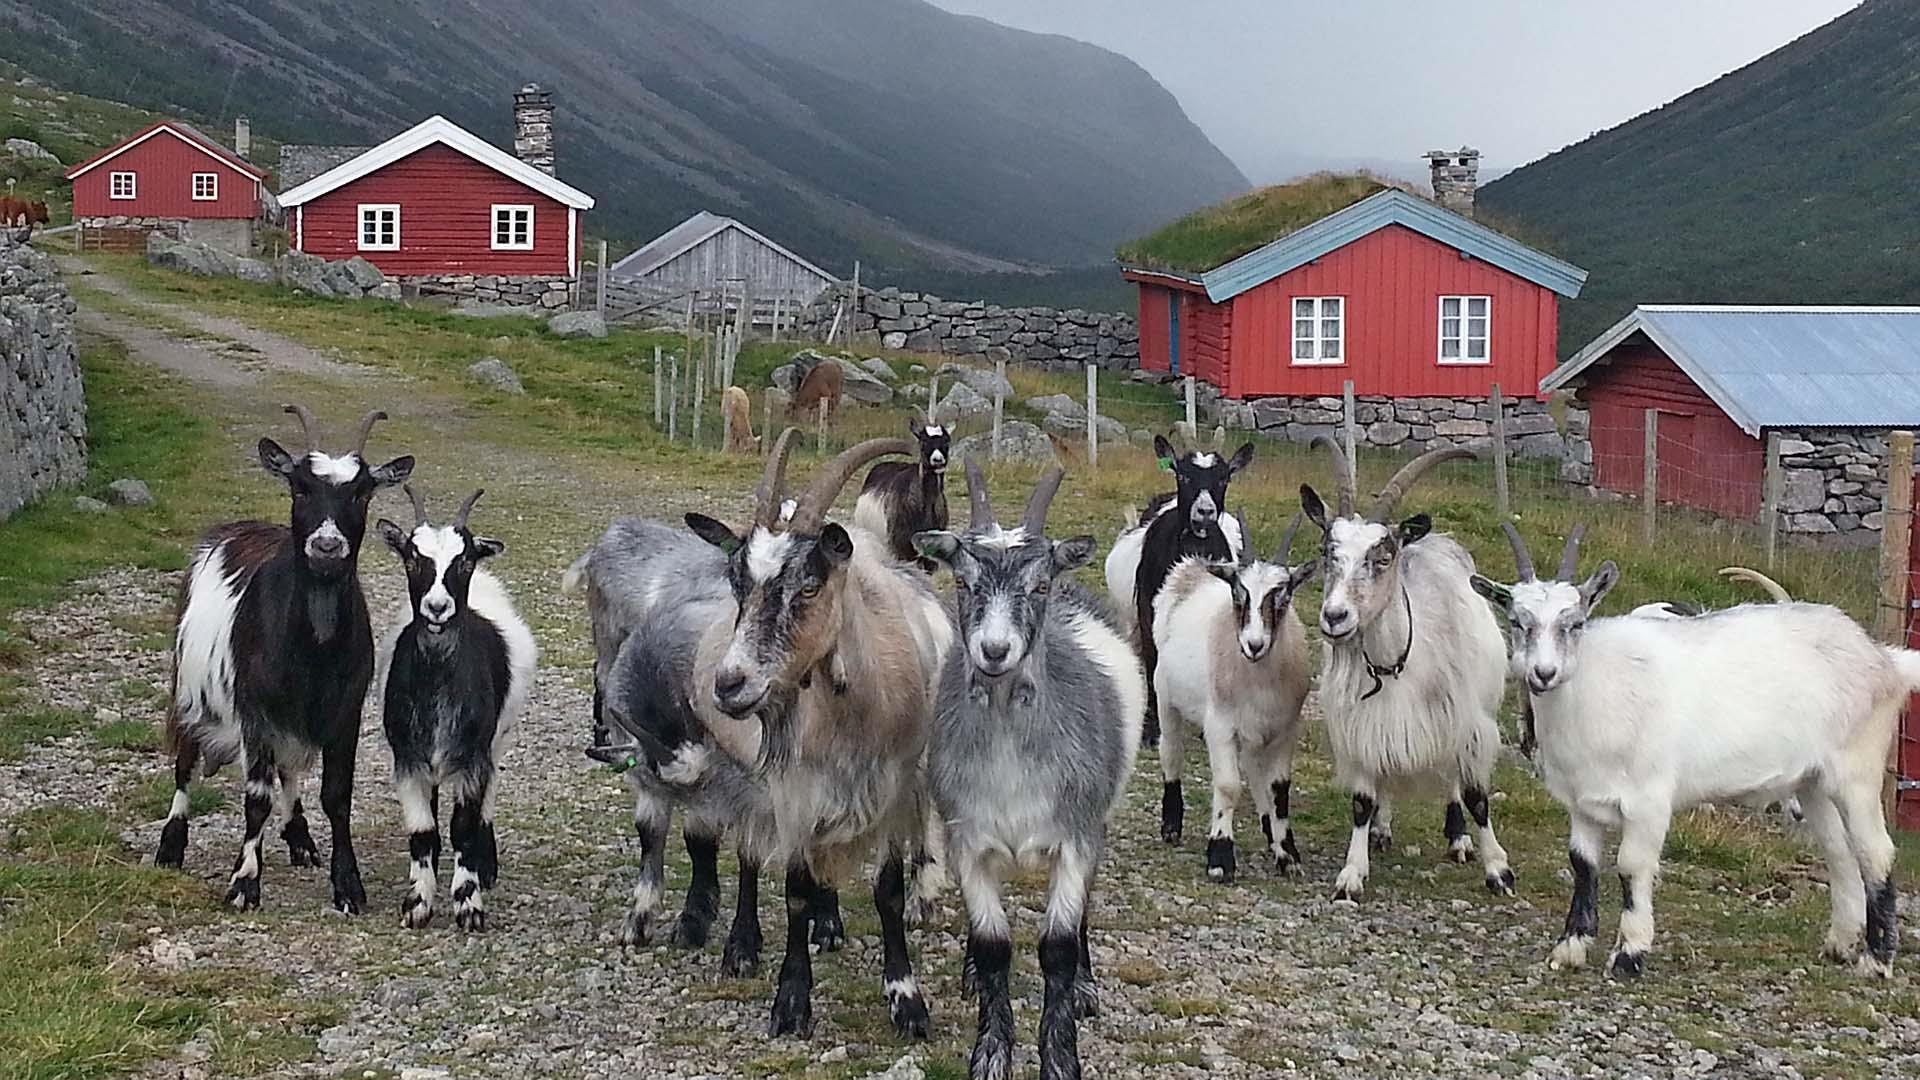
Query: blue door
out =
(1173, 331)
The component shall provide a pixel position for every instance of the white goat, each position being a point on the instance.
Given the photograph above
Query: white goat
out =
(1234, 661)
(1640, 718)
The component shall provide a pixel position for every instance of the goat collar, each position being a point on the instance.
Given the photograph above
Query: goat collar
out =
(1378, 672)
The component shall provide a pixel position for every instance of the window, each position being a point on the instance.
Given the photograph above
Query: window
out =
(1319, 330)
(206, 186)
(512, 228)
(120, 185)
(1464, 322)
(379, 227)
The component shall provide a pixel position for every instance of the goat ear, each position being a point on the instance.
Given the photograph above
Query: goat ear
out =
(915, 428)
(937, 545)
(834, 547)
(392, 534)
(1501, 595)
(1072, 553)
(1300, 575)
(1242, 458)
(1415, 529)
(486, 547)
(1596, 587)
(276, 460)
(394, 472)
(1163, 450)
(714, 532)
(1315, 509)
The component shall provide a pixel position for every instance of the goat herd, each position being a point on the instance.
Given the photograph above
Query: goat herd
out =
(800, 684)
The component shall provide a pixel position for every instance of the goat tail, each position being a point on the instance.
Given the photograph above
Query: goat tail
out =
(1772, 587)
(1907, 662)
(574, 581)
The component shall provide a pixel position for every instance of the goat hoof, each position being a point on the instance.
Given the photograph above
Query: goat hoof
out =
(302, 857)
(1501, 883)
(685, 933)
(1838, 950)
(1170, 835)
(992, 1059)
(792, 1014)
(1286, 866)
(911, 1019)
(633, 930)
(1570, 953)
(740, 959)
(243, 894)
(829, 934)
(1220, 861)
(1380, 841)
(173, 844)
(349, 895)
(415, 913)
(1872, 967)
(1461, 851)
(1628, 965)
(471, 919)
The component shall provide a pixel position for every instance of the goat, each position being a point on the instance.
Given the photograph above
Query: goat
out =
(1035, 732)
(460, 664)
(823, 383)
(835, 651)
(272, 656)
(1193, 521)
(738, 411)
(1412, 671)
(1642, 718)
(1234, 661)
(900, 499)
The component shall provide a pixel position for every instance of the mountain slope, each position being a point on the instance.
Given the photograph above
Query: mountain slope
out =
(1788, 181)
(887, 130)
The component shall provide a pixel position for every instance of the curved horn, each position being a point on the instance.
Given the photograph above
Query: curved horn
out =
(1246, 540)
(980, 510)
(1741, 573)
(1410, 474)
(1342, 472)
(1035, 521)
(1286, 540)
(308, 427)
(366, 428)
(1522, 558)
(419, 504)
(460, 518)
(833, 476)
(773, 483)
(1570, 555)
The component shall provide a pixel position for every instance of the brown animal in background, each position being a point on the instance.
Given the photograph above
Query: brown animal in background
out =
(21, 212)
(823, 383)
(737, 408)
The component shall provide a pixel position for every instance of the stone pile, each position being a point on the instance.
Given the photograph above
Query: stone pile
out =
(43, 408)
(975, 330)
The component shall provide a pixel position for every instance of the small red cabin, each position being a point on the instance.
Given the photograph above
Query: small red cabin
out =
(437, 202)
(1400, 296)
(169, 172)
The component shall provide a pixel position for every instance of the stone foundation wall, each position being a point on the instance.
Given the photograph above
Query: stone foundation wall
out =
(551, 293)
(922, 322)
(169, 226)
(43, 408)
(1832, 481)
(1404, 424)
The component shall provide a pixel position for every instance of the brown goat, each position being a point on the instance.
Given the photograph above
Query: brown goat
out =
(21, 212)
(738, 410)
(823, 383)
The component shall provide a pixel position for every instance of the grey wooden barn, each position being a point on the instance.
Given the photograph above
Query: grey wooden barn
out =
(716, 254)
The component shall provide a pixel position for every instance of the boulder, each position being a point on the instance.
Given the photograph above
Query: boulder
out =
(858, 384)
(28, 150)
(494, 372)
(1805, 490)
(1810, 523)
(985, 381)
(87, 504)
(1019, 441)
(363, 274)
(879, 368)
(962, 402)
(896, 339)
(191, 258)
(128, 491)
(1060, 404)
(1110, 430)
(305, 273)
(386, 290)
(787, 378)
(576, 324)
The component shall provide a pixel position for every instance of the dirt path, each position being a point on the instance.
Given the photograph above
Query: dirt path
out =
(1428, 978)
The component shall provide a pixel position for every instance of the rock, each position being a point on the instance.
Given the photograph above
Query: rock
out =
(787, 377)
(1059, 404)
(962, 402)
(985, 381)
(28, 150)
(578, 324)
(1019, 441)
(1110, 430)
(879, 368)
(1388, 433)
(1810, 523)
(1795, 447)
(1456, 428)
(337, 1042)
(362, 273)
(189, 258)
(494, 372)
(858, 384)
(835, 1056)
(1805, 491)
(128, 491)
(907, 1068)
(386, 290)
(401, 993)
(896, 339)
(88, 505)
(422, 1072)
(304, 273)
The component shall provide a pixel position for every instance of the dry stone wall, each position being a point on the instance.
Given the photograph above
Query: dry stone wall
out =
(1832, 481)
(976, 330)
(550, 293)
(43, 408)
(1403, 424)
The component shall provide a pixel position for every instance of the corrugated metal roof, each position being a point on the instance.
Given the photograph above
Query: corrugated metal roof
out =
(1782, 366)
(683, 237)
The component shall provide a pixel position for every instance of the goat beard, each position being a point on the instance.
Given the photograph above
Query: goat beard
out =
(777, 731)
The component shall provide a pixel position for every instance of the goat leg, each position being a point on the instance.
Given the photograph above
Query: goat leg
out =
(1059, 1032)
(905, 1004)
(173, 838)
(829, 933)
(336, 799)
(702, 904)
(742, 954)
(243, 887)
(793, 994)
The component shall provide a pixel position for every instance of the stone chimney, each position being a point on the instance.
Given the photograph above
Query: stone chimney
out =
(243, 136)
(533, 127)
(1456, 173)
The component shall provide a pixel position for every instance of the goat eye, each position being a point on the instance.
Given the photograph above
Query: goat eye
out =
(810, 590)
(1042, 587)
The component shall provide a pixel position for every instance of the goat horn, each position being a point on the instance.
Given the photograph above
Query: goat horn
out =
(980, 509)
(1281, 556)
(308, 427)
(1343, 479)
(366, 429)
(773, 483)
(1410, 474)
(1035, 521)
(1570, 555)
(1246, 540)
(419, 504)
(1522, 558)
(460, 519)
(819, 496)
(1741, 573)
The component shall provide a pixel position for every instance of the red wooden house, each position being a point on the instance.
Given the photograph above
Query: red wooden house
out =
(437, 203)
(170, 175)
(1397, 294)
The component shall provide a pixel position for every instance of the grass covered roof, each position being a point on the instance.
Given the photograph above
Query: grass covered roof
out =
(1218, 234)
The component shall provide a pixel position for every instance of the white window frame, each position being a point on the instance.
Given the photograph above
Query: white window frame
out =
(360, 226)
(113, 186)
(1319, 338)
(213, 187)
(493, 231)
(1464, 337)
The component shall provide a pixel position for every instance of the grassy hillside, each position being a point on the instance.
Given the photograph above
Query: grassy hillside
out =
(1788, 181)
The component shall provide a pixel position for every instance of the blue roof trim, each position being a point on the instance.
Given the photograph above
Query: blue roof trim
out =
(1376, 212)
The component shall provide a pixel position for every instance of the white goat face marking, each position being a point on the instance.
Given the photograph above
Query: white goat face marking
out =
(440, 545)
(335, 470)
(767, 553)
(323, 538)
(935, 432)
(1356, 562)
(1000, 539)
(1547, 619)
(787, 509)
(1257, 585)
(1205, 461)
(998, 629)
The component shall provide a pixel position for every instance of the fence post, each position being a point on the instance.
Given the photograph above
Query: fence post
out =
(821, 442)
(692, 295)
(1347, 423)
(999, 402)
(658, 404)
(699, 401)
(933, 397)
(673, 401)
(600, 283)
(1193, 413)
(776, 316)
(1770, 497)
(766, 425)
(853, 310)
(1890, 614)
(1093, 416)
(1502, 501)
(1650, 475)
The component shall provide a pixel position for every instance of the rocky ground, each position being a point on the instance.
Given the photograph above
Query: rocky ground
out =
(1427, 977)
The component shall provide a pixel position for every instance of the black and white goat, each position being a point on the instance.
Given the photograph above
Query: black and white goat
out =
(1233, 661)
(1193, 520)
(1412, 671)
(459, 667)
(272, 656)
(1037, 725)
(902, 498)
(1641, 718)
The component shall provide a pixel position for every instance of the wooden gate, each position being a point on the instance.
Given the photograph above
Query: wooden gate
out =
(120, 240)
(1906, 799)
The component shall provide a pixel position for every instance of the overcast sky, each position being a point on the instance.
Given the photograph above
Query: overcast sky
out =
(1283, 85)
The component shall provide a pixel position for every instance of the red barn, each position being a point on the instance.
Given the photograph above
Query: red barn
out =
(437, 204)
(173, 177)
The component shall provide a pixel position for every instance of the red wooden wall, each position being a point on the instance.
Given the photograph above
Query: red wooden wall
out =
(1706, 460)
(1154, 353)
(164, 165)
(446, 219)
(1392, 280)
(1204, 334)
